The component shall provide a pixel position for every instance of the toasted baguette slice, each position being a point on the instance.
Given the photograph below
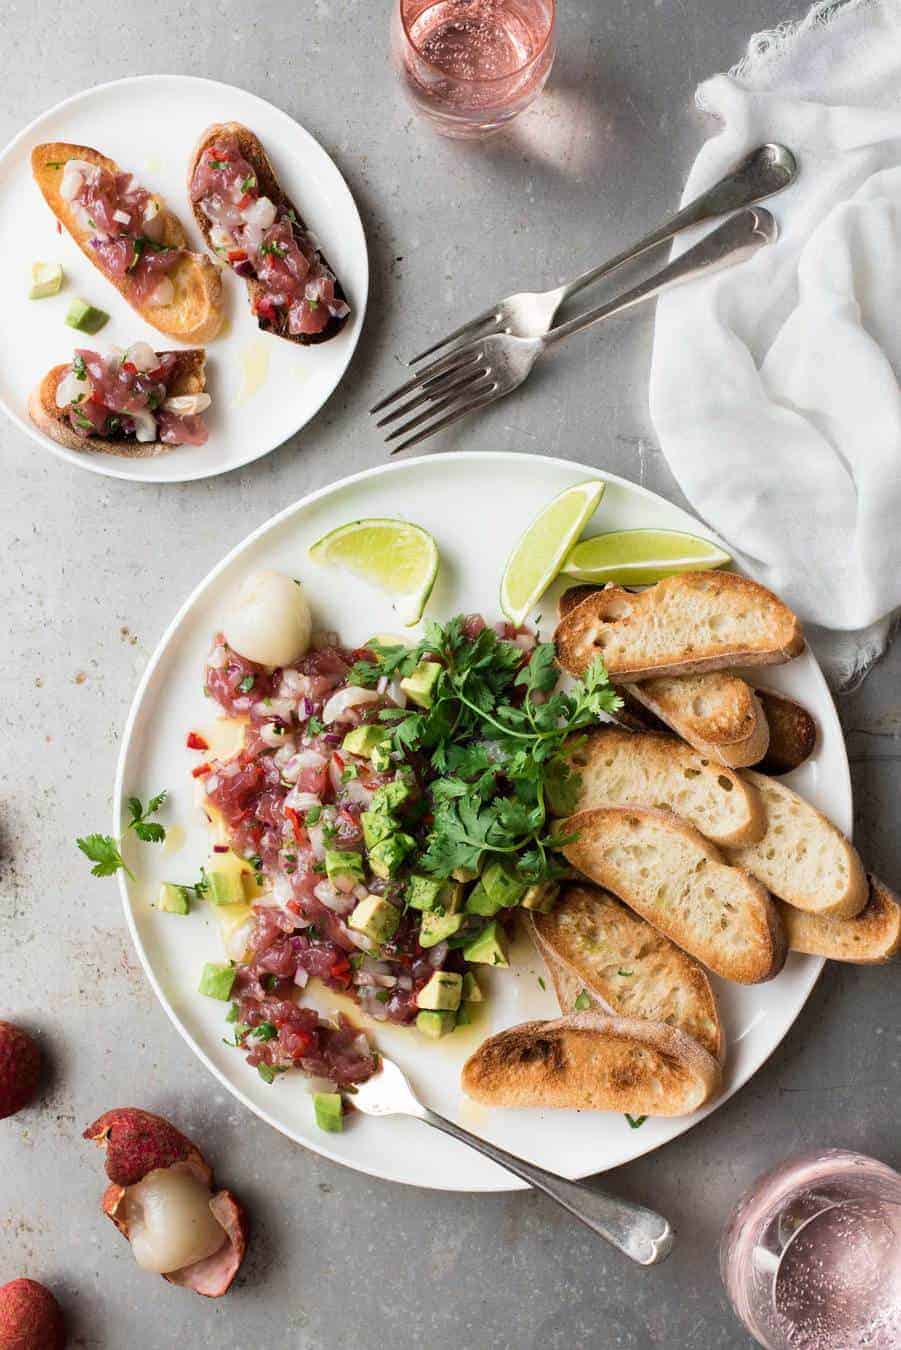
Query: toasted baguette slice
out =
(684, 625)
(717, 712)
(872, 937)
(189, 377)
(267, 180)
(802, 857)
(644, 768)
(196, 313)
(672, 876)
(602, 948)
(591, 1062)
(574, 596)
(793, 734)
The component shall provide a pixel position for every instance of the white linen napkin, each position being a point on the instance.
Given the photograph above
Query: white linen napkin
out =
(775, 384)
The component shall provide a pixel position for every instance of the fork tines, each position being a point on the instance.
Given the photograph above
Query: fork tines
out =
(454, 385)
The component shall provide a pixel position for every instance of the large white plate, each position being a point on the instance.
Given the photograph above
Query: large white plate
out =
(149, 125)
(476, 505)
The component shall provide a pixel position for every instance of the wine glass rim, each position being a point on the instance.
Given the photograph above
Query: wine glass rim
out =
(482, 80)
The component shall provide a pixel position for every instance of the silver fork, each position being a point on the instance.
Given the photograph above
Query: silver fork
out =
(642, 1235)
(481, 371)
(762, 173)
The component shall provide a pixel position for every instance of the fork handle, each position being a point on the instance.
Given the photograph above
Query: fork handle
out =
(737, 238)
(642, 1235)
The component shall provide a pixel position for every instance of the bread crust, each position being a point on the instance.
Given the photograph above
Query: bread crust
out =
(593, 943)
(590, 1061)
(189, 377)
(871, 938)
(252, 149)
(793, 734)
(715, 711)
(747, 947)
(196, 313)
(617, 624)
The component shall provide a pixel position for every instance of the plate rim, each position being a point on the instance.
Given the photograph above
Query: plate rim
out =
(506, 1182)
(97, 463)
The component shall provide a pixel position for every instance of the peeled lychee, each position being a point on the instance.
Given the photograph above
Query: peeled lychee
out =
(20, 1069)
(30, 1317)
(162, 1199)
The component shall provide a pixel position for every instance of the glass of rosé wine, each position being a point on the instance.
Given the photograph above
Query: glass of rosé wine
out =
(811, 1255)
(471, 66)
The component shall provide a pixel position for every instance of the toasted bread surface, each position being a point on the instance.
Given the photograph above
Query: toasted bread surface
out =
(802, 857)
(573, 596)
(188, 378)
(589, 1061)
(686, 624)
(872, 937)
(644, 768)
(196, 313)
(603, 948)
(666, 871)
(793, 734)
(251, 147)
(716, 712)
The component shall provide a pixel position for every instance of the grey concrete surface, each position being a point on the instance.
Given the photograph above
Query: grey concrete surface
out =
(93, 570)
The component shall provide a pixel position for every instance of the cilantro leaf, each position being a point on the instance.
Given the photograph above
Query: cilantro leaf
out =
(103, 851)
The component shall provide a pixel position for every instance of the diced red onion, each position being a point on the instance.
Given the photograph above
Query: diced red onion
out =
(349, 697)
(438, 955)
(217, 658)
(302, 801)
(396, 694)
(357, 791)
(293, 682)
(525, 640)
(317, 841)
(163, 293)
(284, 753)
(329, 896)
(310, 759)
(360, 891)
(210, 784)
(271, 733)
(301, 977)
(405, 982)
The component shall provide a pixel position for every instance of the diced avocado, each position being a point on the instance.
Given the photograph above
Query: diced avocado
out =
(442, 992)
(46, 279)
(502, 887)
(377, 825)
(339, 865)
(452, 896)
(85, 317)
(423, 892)
(541, 898)
(225, 878)
(465, 874)
(487, 948)
(471, 991)
(376, 918)
(480, 902)
(435, 1024)
(216, 981)
(435, 928)
(389, 853)
(363, 740)
(464, 1016)
(388, 798)
(173, 899)
(419, 686)
(380, 758)
(329, 1111)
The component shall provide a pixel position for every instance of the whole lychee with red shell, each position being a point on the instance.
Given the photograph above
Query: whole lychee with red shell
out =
(20, 1069)
(30, 1317)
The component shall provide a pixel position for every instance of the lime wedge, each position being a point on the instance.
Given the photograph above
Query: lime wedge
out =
(641, 557)
(394, 555)
(543, 548)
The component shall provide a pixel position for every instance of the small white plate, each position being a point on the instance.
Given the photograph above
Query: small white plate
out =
(264, 389)
(476, 505)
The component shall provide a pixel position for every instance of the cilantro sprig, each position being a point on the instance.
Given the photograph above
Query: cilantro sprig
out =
(105, 852)
(494, 738)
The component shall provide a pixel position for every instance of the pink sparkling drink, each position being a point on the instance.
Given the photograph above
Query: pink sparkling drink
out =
(472, 65)
(811, 1256)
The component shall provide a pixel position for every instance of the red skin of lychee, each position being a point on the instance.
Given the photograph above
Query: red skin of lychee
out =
(137, 1142)
(30, 1317)
(20, 1069)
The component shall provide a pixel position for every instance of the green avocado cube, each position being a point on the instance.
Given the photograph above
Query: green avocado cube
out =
(442, 992)
(435, 1024)
(389, 854)
(480, 902)
(487, 948)
(377, 825)
(471, 991)
(376, 918)
(339, 865)
(389, 797)
(436, 928)
(503, 888)
(173, 899)
(328, 1109)
(216, 981)
(463, 1015)
(541, 898)
(465, 874)
(423, 892)
(380, 758)
(85, 317)
(46, 280)
(363, 740)
(452, 897)
(419, 686)
(224, 873)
